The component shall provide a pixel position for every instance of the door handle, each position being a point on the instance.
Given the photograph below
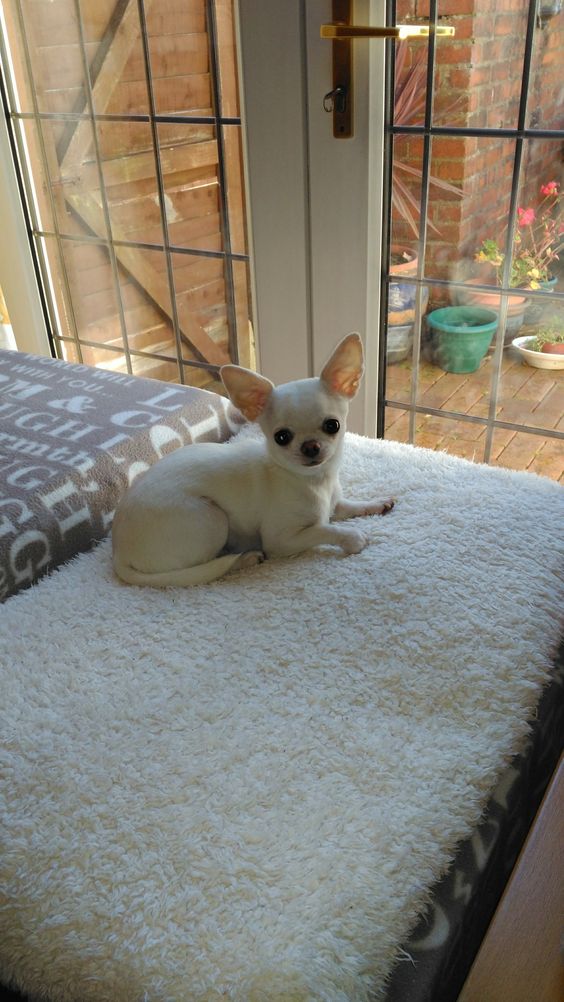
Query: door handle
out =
(347, 31)
(341, 33)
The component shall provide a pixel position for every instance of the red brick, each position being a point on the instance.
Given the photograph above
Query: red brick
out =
(448, 231)
(451, 170)
(511, 6)
(446, 212)
(448, 148)
(480, 75)
(552, 59)
(508, 24)
(482, 25)
(463, 27)
(459, 77)
(450, 7)
(404, 9)
(456, 53)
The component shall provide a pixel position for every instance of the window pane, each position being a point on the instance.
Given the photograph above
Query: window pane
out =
(190, 157)
(103, 197)
(534, 453)
(546, 100)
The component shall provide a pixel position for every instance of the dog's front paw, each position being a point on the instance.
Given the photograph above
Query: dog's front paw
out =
(380, 507)
(353, 541)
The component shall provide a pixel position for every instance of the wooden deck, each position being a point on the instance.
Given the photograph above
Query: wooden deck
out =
(528, 396)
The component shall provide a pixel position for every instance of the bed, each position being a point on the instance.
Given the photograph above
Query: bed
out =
(71, 439)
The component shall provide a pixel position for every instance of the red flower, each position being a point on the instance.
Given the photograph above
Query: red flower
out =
(549, 189)
(526, 216)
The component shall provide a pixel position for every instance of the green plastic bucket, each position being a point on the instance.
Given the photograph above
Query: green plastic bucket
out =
(461, 336)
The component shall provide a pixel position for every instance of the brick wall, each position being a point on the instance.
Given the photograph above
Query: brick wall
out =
(478, 84)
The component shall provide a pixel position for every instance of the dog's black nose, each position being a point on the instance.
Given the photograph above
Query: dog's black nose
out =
(311, 449)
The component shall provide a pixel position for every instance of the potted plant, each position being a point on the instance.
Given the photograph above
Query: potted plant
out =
(401, 302)
(544, 350)
(409, 107)
(459, 336)
(550, 339)
(538, 240)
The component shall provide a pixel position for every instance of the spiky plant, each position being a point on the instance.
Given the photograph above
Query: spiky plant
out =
(409, 108)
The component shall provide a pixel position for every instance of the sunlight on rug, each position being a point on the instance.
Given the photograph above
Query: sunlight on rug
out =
(245, 790)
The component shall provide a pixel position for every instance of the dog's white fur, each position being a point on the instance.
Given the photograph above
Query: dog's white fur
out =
(210, 508)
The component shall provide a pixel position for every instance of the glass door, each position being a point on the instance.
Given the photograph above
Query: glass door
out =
(475, 233)
(447, 197)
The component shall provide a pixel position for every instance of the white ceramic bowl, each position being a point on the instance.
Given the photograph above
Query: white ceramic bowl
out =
(540, 359)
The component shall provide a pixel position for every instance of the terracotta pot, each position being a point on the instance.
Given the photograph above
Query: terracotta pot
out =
(407, 263)
(553, 348)
(517, 302)
(402, 295)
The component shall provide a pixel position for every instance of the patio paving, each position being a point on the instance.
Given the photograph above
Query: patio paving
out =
(527, 396)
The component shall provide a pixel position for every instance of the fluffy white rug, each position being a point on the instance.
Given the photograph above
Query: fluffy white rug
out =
(244, 791)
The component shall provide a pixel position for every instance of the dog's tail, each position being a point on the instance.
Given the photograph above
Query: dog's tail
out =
(185, 576)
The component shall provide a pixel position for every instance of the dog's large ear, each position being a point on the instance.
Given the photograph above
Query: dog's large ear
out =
(343, 371)
(247, 390)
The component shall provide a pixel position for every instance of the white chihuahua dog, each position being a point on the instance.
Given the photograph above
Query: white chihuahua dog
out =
(210, 508)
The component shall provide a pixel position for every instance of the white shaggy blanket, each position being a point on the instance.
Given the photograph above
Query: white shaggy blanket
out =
(244, 791)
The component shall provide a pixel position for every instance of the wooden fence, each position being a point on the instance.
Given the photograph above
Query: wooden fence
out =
(140, 208)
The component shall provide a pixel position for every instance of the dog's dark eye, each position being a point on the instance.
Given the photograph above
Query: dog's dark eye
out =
(283, 436)
(331, 426)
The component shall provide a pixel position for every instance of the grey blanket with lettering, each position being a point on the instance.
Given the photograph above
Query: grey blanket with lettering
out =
(71, 439)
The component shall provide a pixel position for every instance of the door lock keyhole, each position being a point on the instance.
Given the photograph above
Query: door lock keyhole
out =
(336, 100)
